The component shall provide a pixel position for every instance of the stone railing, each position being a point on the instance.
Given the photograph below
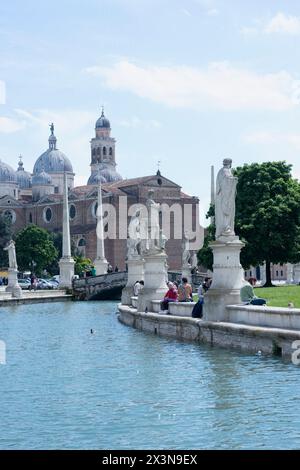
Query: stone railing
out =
(276, 317)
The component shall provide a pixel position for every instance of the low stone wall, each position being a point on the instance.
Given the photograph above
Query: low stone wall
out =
(246, 338)
(275, 317)
(178, 309)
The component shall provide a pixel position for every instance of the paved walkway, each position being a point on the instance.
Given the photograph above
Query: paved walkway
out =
(33, 296)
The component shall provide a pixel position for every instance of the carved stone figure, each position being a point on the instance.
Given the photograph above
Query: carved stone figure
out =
(186, 256)
(225, 200)
(154, 237)
(12, 259)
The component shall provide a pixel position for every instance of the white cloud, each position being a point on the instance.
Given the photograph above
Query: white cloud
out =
(273, 138)
(2, 92)
(213, 12)
(219, 85)
(186, 12)
(282, 23)
(8, 125)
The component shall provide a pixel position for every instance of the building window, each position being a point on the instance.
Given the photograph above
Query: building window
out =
(276, 273)
(30, 218)
(94, 208)
(10, 215)
(98, 151)
(281, 273)
(72, 212)
(82, 242)
(47, 214)
(56, 190)
(104, 150)
(110, 150)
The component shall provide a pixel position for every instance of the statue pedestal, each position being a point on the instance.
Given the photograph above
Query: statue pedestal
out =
(101, 265)
(66, 272)
(155, 276)
(228, 278)
(135, 273)
(13, 285)
(187, 272)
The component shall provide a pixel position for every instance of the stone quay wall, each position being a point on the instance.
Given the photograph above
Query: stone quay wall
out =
(241, 337)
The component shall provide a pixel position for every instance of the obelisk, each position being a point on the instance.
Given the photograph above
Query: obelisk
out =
(66, 263)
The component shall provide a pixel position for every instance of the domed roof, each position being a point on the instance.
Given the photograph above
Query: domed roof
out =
(110, 175)
(102, 122)
(95, 178)
(7, 173)
(53, 160)
(41, 179)
(23, 177)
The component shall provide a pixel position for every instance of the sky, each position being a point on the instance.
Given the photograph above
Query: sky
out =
(184, 82)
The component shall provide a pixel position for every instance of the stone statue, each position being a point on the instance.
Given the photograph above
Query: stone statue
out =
(162, 240)
(194, 261)
(225, 200)
(154, 237)
(186, 252)
(134, 237)
(12, 259)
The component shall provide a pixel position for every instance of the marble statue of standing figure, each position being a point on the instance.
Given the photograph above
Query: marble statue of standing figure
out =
(12, 259)
(186, 255)
(134, 237)
(154, 236)
(225, 200)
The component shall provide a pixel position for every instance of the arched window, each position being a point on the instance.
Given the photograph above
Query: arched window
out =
(98, 151)
(110, 150)
(104, 150)
(72, 212)
(10, 215)
(47, 214)
(82, 242)
(94, 152)
(30, 218)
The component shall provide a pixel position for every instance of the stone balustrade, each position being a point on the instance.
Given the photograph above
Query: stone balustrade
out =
(274, 317)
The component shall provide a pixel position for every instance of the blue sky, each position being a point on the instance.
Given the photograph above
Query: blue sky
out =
(185, 82)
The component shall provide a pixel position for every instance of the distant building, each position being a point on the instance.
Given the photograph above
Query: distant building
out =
(37, 198)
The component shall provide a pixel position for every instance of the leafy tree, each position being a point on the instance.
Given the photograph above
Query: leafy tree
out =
(81, 264)
(5, 236)
(268, 214)
(205, 254)
(34, 244)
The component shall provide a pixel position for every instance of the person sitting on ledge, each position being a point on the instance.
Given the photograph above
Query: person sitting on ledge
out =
(185, 293)
(248, 296)
(171, 296)
(138, 286)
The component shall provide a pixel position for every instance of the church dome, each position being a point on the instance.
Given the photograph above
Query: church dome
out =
(23, 177)
(41, 179)
(53, 160)
(7, 173)
(110, 175)
(95, 178)
(102, 122)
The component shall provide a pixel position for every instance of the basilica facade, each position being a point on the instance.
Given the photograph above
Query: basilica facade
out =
(37, 197)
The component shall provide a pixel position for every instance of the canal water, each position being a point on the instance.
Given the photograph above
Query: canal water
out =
(65, 388)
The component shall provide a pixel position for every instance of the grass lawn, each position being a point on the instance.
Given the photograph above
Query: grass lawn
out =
(279, 296)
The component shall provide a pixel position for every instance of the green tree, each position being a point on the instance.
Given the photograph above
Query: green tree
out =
(5, 236)
(35, 245)
(268, 214)
(81, 264)
(205, 254)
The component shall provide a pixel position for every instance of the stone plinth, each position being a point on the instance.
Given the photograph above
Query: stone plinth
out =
(101, 265)
(13, 285)
(135, 273)
(228, 276)
(155, 280)
(66, 272)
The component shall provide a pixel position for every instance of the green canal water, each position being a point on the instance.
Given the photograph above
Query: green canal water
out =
(65, 388)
